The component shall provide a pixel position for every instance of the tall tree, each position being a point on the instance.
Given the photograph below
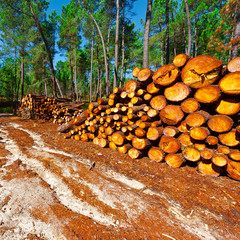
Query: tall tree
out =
(189, 28)
(167, 32)
(146, 35)
(116, 45)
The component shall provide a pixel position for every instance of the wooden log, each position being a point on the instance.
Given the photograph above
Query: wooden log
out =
(166, 75)
(208, 168)
(208, 94)
(129, 136)
(144, 125)
(176, 93)
(190, 105)
(158, 102)
(199, 133)
(212, 140)
(135, 109)
(103, 142)
(199, 146)
(135, 153)
(201, 71)
(220, 123)
(147, 96)
(171, 114)
(140, 133)
(112, 145)
(185, 140)
(234, 65)
(223, 149)
(141, 92)
(180, 60)
(229, 106)
(170, 131)
(156, 123)
(132, 85)
(135, 71)
(229, 138)
(182, 127)
(174, 160)
(136, 100)
(191, 154)
(118, 138)
(152, 113)
(92, 105)
(156, 154)
(230, 83)
(220, 160)
(145, 75)
(152, 88)
(235, 155)
(169, 144)
(75, 122)
(206, 153)
(102, 101)
(124, 148)
(154, 133)
(233, 170)
(196, 119)
(141, 143)
(117, 90)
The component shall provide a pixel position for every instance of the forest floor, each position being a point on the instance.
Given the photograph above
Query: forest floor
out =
(52, 188)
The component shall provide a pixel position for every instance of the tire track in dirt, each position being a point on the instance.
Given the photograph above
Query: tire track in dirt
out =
(109, 187)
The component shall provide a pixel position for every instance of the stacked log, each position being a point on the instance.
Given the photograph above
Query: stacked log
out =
(184, 113)
(57, 110)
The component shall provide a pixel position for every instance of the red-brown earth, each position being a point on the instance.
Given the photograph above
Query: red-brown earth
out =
(53, 188)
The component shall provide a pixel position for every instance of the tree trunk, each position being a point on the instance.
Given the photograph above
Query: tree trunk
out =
(91, 73)
(189, 28)
(146, 35)
(116, 46)
(72, 84)
(15, 74)
(167, 32)
(104, 49)
(75, 74)
(123, 45)
(22, 75)
(47, 47)
(236, 35)
(174, 39)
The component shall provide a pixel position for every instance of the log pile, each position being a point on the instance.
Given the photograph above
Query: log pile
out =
(184, 113)
(57, 110)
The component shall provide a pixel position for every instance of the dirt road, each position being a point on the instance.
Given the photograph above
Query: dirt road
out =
(52, 188)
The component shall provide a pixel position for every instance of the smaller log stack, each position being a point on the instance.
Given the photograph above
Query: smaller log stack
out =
(184, 113)
(57, 110)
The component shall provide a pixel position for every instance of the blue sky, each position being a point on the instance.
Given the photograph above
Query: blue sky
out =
(139, 8)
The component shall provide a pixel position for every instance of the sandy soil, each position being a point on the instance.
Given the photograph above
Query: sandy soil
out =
(52, 188)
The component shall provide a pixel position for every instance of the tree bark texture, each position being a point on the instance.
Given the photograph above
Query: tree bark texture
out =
(146, 35)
